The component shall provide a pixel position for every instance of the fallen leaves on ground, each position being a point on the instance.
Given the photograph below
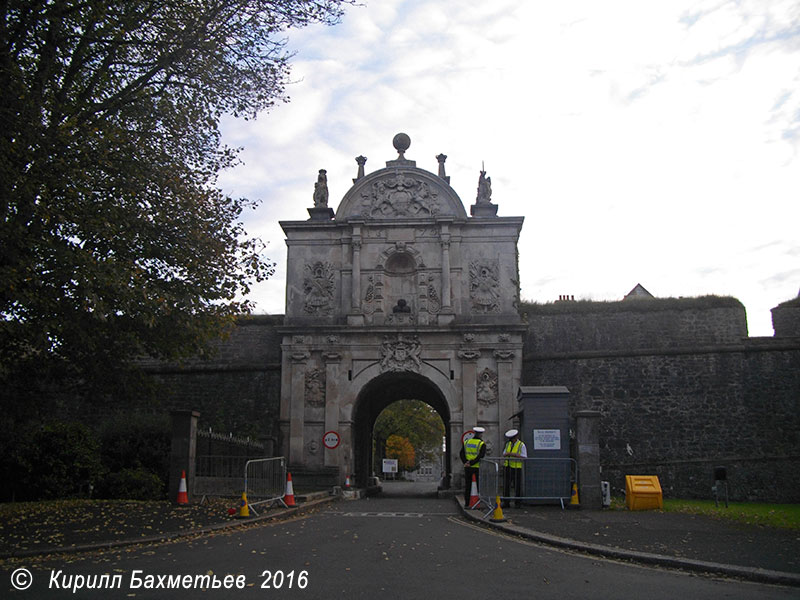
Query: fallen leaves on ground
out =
(69, 523)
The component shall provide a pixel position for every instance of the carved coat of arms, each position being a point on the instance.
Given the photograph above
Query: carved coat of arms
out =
(401, 354)
(399, 196)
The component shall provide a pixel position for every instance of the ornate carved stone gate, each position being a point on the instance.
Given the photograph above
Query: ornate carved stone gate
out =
(398, 295)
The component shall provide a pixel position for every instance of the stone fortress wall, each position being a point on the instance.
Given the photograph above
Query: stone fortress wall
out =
(236, 390)
(681, 390)
(680, 387)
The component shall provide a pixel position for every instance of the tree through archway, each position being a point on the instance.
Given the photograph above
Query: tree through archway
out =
(411, 431)
(376, 396)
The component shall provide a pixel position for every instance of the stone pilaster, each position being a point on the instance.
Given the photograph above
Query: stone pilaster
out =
(587, 434)
(505, 390)
(332, 362)
(297, 406)
(356, 300)
(446, 275)
(446, 284)
(469, 382)
(457, 429)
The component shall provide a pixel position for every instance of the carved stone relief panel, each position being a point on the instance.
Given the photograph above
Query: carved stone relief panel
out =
(401, 353)
(399, 196)
(319, 288)
(368, 305)
(312, 447)
(484, 286)
(315, 387)
(487, 387)
(434, 301)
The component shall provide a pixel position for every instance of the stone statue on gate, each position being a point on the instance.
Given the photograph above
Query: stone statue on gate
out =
(321, 190)
(484, 189)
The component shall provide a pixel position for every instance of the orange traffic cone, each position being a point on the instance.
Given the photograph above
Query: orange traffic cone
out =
(288, 498)
(347, 483)
(473, 494)
(183, 497)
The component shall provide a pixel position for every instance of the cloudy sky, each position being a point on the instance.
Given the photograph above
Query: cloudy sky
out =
(643, 141)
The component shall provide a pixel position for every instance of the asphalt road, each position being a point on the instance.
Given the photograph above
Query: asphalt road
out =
(385, 547)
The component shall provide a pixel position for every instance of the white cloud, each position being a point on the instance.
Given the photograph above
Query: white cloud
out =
(643, 142)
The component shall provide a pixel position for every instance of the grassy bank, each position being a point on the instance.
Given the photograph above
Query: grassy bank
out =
(783, 516)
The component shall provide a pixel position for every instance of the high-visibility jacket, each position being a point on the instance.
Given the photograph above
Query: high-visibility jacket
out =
(513, 449)
(472, 448)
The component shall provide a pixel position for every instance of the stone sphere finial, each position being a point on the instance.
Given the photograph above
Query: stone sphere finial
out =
(401, 143)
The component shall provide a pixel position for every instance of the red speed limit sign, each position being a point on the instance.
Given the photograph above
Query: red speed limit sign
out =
(331, 440)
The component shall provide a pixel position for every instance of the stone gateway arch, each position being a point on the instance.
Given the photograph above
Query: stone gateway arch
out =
(399, 294)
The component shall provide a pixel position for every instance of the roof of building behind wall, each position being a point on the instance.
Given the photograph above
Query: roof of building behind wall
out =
(638, 292)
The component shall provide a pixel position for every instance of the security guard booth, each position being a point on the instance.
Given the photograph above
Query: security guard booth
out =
(544, 426)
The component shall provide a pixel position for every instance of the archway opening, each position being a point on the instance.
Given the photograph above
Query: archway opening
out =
(410, 434)
(376, 396)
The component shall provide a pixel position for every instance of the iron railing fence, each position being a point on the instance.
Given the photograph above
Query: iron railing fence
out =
(212, 443)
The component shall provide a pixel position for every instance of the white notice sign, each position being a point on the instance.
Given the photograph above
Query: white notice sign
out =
(547, 439)
(390, 465)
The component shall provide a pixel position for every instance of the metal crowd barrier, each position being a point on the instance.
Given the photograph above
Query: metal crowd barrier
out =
(543, 479)
(265, 479)
(218, 476)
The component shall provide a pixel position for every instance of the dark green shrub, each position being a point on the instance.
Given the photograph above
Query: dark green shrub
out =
(132, 484)
(137, 443)
(14, 461)
(62, 460)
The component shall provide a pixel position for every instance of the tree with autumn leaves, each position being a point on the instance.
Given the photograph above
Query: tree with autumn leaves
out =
(400, 448)
(116, 242)
(414, 429)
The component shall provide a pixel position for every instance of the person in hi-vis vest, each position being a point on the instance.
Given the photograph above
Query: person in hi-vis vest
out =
(512, 469)
(472, 452)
